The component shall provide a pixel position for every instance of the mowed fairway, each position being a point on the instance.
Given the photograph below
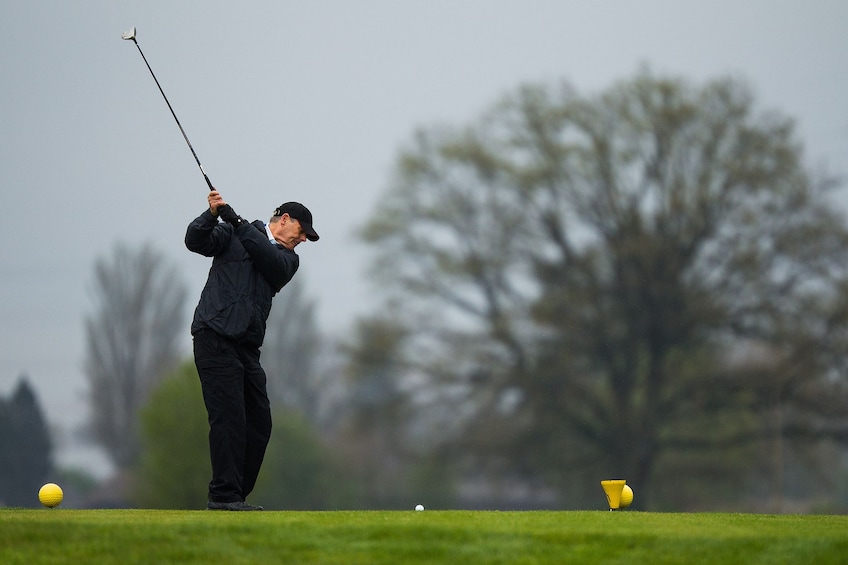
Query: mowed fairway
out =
(456, 537)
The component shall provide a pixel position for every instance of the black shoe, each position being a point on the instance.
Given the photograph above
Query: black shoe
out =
(238, 505)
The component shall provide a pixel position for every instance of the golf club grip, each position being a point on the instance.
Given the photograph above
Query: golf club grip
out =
(208, 182)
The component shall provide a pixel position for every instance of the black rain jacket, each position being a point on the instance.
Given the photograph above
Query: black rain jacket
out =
(247, 271)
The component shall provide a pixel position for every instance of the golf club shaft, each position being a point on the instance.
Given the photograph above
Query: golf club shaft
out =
(205, 177)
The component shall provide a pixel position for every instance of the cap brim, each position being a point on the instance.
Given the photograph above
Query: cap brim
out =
(310, 232)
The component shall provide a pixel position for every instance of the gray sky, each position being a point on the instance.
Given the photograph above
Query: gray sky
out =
(311, 101)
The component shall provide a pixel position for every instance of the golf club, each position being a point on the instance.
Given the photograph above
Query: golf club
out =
(131, 35)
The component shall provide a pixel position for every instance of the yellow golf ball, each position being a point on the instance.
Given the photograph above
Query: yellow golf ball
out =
(626, 496)
(50, 495)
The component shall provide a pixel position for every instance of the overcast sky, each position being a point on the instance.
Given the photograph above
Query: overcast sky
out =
(311, 101)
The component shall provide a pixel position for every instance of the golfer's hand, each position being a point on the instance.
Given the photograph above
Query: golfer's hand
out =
(215, 202)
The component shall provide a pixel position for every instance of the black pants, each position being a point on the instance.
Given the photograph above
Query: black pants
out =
(233, 384)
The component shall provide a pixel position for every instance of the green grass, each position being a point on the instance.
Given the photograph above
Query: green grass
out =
(456, 537)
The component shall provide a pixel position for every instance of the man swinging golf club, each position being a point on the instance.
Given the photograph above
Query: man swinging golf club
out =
(251, 262)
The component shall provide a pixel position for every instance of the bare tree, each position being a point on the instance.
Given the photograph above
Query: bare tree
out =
(131, 342)
(291, 352)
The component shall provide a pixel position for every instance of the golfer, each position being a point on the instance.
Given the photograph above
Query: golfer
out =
(251, 262)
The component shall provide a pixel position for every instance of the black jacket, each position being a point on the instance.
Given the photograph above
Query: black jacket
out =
(247, 271)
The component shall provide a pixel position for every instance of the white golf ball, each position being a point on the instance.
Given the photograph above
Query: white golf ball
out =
(419, 508)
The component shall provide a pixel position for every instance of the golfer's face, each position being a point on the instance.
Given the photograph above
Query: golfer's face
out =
(292, 233)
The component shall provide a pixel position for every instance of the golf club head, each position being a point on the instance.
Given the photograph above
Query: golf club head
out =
(129, 34)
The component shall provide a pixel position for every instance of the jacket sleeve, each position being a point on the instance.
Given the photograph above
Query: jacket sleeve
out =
(275, 263)
(206, 236)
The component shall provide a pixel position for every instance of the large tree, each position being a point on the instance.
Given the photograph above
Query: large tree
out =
(644, 283)
(131, 342)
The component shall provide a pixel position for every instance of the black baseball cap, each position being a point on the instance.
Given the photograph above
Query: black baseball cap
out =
(300, 213)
